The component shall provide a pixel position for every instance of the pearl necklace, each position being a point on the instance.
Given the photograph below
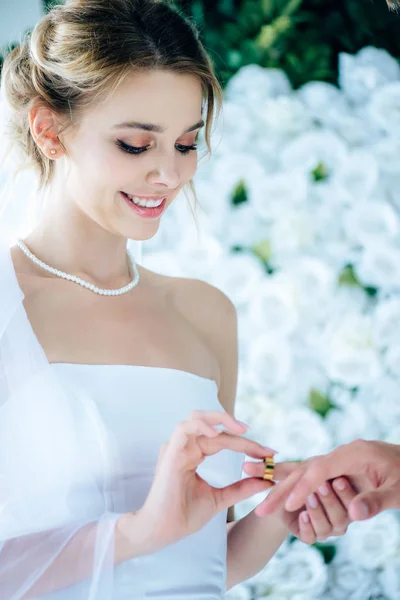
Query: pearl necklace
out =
(80, 281)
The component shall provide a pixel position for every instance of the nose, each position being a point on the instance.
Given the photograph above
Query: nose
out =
(165, 172)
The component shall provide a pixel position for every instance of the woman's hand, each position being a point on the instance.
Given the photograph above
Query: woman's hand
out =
(325, 512)
(180, 502)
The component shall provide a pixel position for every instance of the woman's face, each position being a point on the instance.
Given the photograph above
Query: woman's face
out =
(150, 159)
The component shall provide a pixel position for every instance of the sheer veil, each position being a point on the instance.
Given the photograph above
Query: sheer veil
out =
(58, 519)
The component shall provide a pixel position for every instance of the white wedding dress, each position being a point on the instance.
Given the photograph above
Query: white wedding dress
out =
(78, 447)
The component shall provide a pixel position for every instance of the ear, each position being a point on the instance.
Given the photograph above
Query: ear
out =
(44, 126)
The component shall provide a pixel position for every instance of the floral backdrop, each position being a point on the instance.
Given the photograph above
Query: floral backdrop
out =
(299, 225)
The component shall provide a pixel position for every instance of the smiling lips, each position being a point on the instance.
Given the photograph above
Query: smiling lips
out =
(149, 208)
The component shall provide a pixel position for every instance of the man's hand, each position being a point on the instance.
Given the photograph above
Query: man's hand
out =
(372, 467)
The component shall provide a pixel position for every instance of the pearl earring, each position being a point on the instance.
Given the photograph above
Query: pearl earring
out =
(53, 151)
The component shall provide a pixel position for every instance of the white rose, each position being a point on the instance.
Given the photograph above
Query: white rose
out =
(349, 581)
(373, 543)
(389, 578)
(386, 152)
(379, 266)
(252, 84)
(358, 175)
(273, 309)
(312, 149)
(165, 263)
(273, 192)
(381, 399)
(351, 422)
(371, 222)
(383, 108)
(300, 571)
(269, 363)
(292, 231)
(239, 275)
(368, 70)
(324, 101)
(243, 227)
(387, 321)
(284, 116)
(297, 433)
(351, 355)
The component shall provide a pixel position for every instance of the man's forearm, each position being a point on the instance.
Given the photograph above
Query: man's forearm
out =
(252, 541)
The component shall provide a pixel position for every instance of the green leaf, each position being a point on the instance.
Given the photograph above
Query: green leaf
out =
(239, 194)
(263, 250)
(320, 403)
(320, 172)
(348, 277)
(328, 551)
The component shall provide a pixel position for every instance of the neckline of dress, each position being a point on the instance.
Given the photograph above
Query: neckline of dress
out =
(144, 367)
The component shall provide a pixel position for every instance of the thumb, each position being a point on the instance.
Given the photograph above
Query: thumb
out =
(368, 504)
(240, 490)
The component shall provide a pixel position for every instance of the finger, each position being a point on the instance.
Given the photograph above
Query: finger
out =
(238, 491)
(318, 518)
(281, 471)
(334, 509)
(306, 531)
(236, 443)
(215, 417)
(344, 460)
(344, 491)
(279, 494)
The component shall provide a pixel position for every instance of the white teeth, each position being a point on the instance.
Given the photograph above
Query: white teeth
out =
(145, 203)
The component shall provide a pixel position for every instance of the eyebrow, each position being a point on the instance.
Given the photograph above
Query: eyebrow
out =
(151, 127)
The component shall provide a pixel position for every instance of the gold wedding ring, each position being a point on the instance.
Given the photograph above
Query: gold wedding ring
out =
(269, 468)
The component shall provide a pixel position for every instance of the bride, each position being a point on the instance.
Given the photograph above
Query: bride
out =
(119, 451)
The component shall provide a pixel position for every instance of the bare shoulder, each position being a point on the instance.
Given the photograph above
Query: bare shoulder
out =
(214, 316)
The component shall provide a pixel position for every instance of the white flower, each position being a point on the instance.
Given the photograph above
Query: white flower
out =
(370, 222)
(348, 580)
(275, 191)
(284, 116)
(390, 578)
(310, 150)
(351, 422)
(165, 263)
(372, 543)
(297, 433)
(269, 363)
(368, 70)
(387, 321)
(358, 175)
(239, 275)
(351, 355)
(300, 571)
(273, 309)
(294, 231)
(379, 266)
(252, 84)
(383, 108)
(324, 101)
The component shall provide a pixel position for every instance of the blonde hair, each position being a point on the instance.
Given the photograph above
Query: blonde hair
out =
(80, 52)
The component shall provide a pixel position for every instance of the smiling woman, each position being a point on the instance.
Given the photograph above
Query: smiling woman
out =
(115, 476)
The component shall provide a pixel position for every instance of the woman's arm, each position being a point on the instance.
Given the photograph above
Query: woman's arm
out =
(72, 562)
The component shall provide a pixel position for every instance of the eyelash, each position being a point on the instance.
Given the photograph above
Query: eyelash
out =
(139, 150)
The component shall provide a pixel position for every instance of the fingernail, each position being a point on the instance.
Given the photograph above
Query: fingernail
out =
(305, 518)
(290, 500)
(340, 484)
(243, 424)
(364, 509)
(312, 500)
(269, 450)
(323, 490)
